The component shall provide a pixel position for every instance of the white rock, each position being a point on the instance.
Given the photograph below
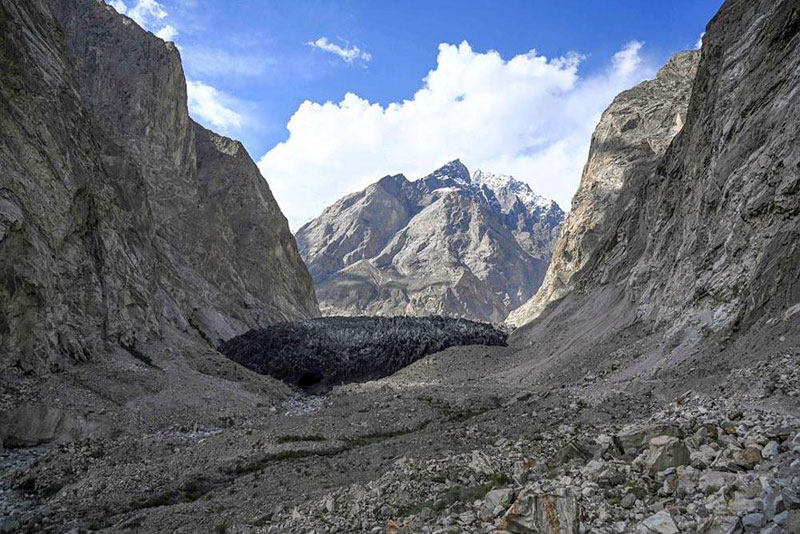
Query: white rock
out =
(660, 523)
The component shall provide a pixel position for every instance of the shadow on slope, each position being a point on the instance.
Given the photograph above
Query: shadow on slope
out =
(317, 354)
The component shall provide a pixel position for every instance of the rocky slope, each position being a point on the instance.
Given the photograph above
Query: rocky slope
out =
(127, 231)
(631, 403)
(631, 138)
(451, 243)
(117, 209)
(696, 235)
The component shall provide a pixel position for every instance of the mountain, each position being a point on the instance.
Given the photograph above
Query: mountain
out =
(653, 387)
(450, 243)
(629, 141)
(127, 230)
(682, 251)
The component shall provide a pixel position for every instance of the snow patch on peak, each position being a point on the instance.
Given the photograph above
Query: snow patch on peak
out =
(503, 185)
(454, 171)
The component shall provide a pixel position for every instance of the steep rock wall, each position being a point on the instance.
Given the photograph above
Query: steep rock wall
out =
(120, 216)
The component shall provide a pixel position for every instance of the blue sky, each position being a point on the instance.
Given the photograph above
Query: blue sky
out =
(252, 64)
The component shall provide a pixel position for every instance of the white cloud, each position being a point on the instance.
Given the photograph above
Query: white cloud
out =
(528, 116)
(167, 33)
(627, 60)
(147, 14)
(699, 43)
(212, 107)
(119, 5)
(207, 61)
(349, 55)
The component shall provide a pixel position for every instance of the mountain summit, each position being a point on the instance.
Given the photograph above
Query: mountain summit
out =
(451, 243)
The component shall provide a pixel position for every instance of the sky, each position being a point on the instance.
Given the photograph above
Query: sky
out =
(329, 96)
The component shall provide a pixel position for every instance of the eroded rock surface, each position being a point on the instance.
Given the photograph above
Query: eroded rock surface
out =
(631, 138)
(582, 403)
(120, 217)
(454, 244)
(689, 204)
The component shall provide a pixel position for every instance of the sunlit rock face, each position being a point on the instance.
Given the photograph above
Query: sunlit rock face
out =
(451, 243)
(685, 226)
(631, 138)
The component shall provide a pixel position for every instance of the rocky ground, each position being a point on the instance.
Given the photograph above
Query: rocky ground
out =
(441, 447)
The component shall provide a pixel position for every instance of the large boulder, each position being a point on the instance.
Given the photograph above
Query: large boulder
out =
(666, 452)
(660, 523)
(543, 513)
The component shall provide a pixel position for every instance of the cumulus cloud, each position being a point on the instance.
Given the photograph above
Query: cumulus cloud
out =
(167, 33)
(349, 55)
(149, 15)
(699, 44)
(627, 60)
(528, 116)
(119, 5)
(213, 107)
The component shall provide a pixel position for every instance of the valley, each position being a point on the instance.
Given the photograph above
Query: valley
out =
(446, 355)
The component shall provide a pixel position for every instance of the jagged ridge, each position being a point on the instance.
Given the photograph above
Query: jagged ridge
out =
(450, 243)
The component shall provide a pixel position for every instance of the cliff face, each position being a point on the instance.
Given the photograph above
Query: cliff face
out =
(694, 242)
(119, 216)
(631, 138)
(451, 243)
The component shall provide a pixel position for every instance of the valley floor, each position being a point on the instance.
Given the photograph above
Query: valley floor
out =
(443, 446)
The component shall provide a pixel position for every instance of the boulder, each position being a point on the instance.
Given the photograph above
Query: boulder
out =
(498, 498)
(634, 438)
(722, 524)
(665, 452)
(538, 513)
(712, 481)
(34, 424)
(753, 522)
(770, 450)
(660, 523)
(747, 458)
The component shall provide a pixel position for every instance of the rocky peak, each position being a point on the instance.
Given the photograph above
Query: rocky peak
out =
(508, 191)
(451, 174)
(444, 244)
(393, 184)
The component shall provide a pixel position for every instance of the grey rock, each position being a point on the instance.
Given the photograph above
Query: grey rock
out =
(748, 457)
(628, 501)
(722, 524)
(713, 481)
(497, 498)
(770, 450)
(753, 522)
(660, 523)
(791, 498)
(781, 518)
(633, 440)
(666, 452)
(121, 219)
(543, 513)
(450, 243)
